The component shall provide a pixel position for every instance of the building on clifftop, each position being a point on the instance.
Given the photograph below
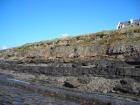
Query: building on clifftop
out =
(129, 23)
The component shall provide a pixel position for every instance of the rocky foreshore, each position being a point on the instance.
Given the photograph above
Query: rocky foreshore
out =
(111, 76)
(98, 68)
(79, 97)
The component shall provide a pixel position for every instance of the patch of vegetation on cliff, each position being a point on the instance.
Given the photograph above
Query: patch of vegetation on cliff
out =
(23, 48)
(103, 37)
(125, 35)
(110, 36)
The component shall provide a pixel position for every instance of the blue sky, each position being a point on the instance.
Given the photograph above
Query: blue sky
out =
(25, 21)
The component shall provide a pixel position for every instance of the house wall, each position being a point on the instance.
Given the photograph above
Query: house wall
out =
(129, 23)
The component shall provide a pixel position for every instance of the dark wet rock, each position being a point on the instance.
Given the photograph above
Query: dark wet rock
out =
(71, 83)
(59, 96)
(123, 82)
(128, 86)
(103, 68)
(122, 89)
(11, 95)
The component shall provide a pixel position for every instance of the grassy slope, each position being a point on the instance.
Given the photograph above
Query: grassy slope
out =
(103, 37)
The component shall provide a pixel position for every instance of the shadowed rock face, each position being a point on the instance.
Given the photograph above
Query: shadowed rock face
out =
(101, 68)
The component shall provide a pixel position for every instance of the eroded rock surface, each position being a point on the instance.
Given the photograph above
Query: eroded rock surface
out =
(105, 62)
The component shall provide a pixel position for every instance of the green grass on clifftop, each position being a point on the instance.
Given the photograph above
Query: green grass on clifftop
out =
(131, 34)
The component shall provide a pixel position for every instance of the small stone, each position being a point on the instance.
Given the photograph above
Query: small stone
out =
(105, 91)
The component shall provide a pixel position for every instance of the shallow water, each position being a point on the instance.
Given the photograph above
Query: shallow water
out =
(14, 96)
(19, 81)
(11, 94)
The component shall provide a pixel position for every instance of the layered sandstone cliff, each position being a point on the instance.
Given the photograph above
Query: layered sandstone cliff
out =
(121, 44)
(107, 61)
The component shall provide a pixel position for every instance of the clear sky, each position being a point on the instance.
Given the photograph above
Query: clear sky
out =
(25, 21)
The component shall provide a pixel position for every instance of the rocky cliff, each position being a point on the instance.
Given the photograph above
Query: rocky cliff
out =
(107, 61)
(116, 44)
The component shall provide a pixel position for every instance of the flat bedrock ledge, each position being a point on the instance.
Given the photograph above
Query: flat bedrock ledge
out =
(108, 69)
(68, 94)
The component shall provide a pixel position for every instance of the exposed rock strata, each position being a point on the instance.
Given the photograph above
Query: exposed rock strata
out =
(102, 68)
(105, 62)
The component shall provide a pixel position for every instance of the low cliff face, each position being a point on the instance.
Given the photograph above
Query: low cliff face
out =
(111, 56)
(120, 44)
(108, 54)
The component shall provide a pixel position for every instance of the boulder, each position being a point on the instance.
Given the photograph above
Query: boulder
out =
(71, 83)
(84, 79)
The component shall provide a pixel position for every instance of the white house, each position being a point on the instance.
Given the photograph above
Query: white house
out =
(129, 23)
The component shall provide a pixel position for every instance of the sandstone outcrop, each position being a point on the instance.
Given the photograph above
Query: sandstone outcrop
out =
(110, 58)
